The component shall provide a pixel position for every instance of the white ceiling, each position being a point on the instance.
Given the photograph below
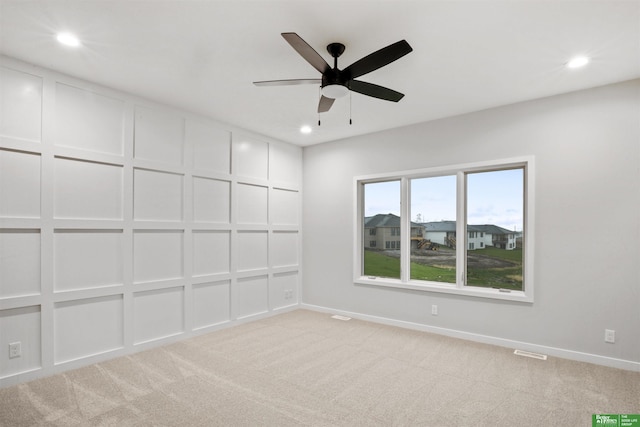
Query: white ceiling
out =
(203, 56)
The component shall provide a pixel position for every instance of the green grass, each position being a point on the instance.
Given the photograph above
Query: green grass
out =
(504, 278)
(433, 274)
(514, 255)
(380, 265)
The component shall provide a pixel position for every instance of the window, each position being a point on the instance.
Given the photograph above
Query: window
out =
(381, 209)
(495, 201)
(433, 208)
(464, 229)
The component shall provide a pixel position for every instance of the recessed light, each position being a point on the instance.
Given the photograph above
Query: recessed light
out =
(68, 39)
(305, 129)
(577, 62)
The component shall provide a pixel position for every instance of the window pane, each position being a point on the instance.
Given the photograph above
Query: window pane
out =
(433, 229)
(382, 229)
(495, 218)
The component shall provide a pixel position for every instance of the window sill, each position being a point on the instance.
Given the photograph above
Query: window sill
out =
(491, 293)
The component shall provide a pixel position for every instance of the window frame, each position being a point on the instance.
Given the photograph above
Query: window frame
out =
(527, 163)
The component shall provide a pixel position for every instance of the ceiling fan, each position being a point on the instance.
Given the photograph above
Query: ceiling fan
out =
(336, 83)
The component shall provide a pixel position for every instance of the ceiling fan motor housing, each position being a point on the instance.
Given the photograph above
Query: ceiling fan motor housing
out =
(333, 77)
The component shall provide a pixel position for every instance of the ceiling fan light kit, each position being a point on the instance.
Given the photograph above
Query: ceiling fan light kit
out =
(335, 91)
(336, 83)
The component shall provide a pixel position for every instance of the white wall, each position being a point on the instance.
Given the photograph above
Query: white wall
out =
(126, 224)
(587, 154)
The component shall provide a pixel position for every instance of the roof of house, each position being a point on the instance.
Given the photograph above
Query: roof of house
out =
(385, 220)
(491, 229)
(450, 226)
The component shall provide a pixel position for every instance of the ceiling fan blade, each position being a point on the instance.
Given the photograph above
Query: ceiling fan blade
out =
(378, 59)
(325, 104)
(289, 82)
(376, 91)
(307, 52)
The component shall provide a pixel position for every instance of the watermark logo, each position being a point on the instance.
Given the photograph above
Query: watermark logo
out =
(615, 420)
(605, 420)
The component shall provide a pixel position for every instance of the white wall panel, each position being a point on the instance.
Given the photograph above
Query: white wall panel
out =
(20, 325)
(210, 303)
(19, 184)
(252, 252)
(19, 262)
(157, 255)
(284, 207)
(157, 196)
(88, 326)
(211, 250)
(157, 314)
(124, 221)
(87, 190)
(89, 121)
(250, 296)
(87, 258)
(284, 164)
(252, 204)
(283, 289)
(211, 146)
(159, 136)
(211, 200)
(20, 104)
(251, 157)
(283, 249)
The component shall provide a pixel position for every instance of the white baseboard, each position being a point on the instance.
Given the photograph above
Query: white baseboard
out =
(551, 351)
(40, 372)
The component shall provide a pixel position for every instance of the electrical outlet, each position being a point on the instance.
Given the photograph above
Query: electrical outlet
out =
(15, 350)
(434, 310)
(609, 336)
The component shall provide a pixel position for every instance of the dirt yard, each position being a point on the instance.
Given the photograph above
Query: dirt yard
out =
(446, 257)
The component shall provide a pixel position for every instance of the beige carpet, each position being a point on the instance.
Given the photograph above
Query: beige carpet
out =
(305, 368)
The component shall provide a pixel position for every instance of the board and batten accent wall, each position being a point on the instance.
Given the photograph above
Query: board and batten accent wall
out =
(126, 224)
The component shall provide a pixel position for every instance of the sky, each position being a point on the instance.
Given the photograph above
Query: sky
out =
(494, 197)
